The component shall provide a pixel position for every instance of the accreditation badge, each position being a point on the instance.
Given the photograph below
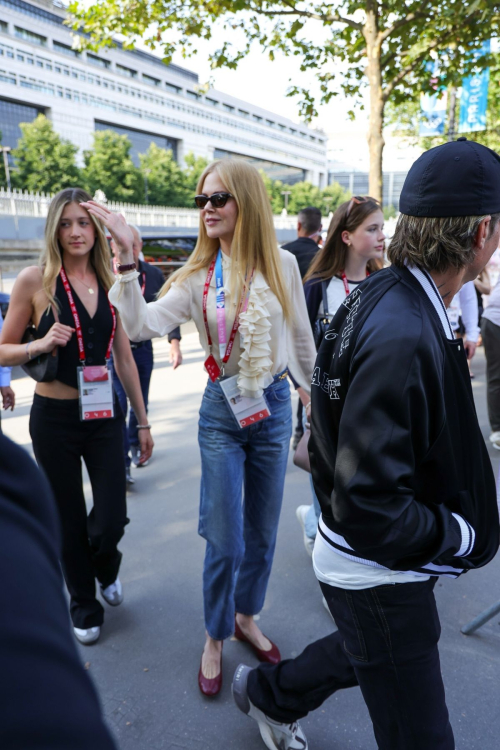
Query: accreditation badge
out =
(246, 411)
(95, 393)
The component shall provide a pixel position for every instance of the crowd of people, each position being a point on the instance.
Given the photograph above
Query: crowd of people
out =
(372, 341)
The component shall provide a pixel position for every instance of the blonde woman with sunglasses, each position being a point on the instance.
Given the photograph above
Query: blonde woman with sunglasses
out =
(246, 298)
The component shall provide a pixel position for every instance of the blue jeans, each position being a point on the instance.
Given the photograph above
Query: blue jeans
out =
(240, 533)
(144, 360)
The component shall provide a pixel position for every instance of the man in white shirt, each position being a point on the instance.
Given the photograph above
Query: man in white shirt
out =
(490, 331)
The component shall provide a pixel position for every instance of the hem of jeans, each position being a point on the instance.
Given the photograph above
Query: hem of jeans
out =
(247, 614)
(217, 638)
(99, 617)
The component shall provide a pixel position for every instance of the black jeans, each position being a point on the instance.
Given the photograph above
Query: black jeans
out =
(89, 548)
(387, 644)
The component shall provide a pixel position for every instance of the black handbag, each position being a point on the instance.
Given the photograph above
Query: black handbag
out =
(43, 368)
(322, 322)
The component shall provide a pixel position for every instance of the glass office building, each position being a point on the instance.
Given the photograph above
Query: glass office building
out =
(135, 93)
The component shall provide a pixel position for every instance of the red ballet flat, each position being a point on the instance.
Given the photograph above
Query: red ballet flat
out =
(272, 656)
(210, 686)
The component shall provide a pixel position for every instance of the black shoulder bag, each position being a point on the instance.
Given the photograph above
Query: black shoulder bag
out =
(322, 322)
(43, 368)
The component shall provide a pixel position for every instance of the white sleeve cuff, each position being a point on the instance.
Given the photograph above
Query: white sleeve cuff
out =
(124, 278)
(468, 536)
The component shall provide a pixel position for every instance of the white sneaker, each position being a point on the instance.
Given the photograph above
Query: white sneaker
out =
(87, 635)
(276, 736)
(495, 440)
(301, 514)
(113, 593)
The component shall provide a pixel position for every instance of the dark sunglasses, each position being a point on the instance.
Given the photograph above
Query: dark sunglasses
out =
(218, 200)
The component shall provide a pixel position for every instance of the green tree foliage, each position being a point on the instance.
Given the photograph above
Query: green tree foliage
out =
(44, 162)
(302, 195)
(109, 167)
(274, 188)
(332, 196)
(405, 118)
(379, 45)
(164, 181)
(192, 172)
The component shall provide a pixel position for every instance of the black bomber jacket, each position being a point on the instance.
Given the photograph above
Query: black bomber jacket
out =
(399, 463)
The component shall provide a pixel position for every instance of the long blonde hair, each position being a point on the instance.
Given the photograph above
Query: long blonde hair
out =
(254, 244)
(51, 258)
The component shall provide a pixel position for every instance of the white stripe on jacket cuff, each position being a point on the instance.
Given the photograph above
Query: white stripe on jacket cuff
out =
(468, 536)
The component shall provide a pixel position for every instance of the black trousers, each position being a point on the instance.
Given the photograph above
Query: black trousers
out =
(387, 644)
(89, 543)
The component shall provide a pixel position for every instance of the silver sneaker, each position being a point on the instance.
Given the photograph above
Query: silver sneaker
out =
(87, 635)
(113, 593)
(276, 736)
(495, 440)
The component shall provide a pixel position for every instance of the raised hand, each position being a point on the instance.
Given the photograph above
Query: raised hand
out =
(118, 229)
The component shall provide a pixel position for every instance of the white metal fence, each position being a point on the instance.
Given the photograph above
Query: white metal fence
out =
(35, 205)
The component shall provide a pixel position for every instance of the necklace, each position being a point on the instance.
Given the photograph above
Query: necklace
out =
(88, 288)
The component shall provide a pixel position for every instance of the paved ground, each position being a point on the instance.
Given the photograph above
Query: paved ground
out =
(146, 663)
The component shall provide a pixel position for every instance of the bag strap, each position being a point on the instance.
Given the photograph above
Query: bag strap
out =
(324, 288)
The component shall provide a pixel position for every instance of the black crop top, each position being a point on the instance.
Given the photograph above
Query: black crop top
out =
(96, 332)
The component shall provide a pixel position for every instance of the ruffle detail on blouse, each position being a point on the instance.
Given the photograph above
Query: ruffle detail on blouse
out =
(255, 361)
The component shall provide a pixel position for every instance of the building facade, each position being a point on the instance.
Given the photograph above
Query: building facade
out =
(136, 94)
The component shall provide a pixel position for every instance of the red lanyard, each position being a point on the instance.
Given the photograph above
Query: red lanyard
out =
(346, 285)
(236, 323)
(76, 318)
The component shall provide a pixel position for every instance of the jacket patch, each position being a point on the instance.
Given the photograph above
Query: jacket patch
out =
(352, 303)
(328, 385)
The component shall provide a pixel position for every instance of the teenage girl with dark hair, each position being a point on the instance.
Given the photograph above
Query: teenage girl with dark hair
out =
(66, 298)
(353, 249)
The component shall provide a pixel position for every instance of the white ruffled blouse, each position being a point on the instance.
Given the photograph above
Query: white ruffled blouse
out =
(265, 344)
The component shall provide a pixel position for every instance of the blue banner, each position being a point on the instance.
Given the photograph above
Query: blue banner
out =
(474, 99)
(433, 108)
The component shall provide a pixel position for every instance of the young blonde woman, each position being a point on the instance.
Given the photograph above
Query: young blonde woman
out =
(66, 299)
(353, 249)
(257, 329)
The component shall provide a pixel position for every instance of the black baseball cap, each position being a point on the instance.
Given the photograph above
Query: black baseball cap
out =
(460, 178)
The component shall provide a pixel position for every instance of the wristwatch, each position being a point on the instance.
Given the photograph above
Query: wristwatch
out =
(127, 267)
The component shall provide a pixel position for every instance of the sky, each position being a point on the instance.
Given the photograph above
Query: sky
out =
(264, 83)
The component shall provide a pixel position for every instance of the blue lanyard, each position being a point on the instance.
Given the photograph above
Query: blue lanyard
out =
(220, 303)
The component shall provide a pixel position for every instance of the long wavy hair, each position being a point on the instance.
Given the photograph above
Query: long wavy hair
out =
(331, 259)
(254, 244)
(51, 258)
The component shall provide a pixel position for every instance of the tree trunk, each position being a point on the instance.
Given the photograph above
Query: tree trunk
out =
(376, 122)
